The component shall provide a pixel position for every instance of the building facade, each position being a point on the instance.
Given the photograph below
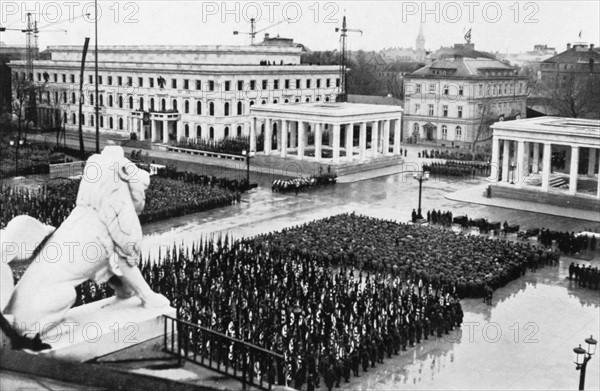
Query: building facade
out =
(450, 100)
(169, 93)
(579, 61)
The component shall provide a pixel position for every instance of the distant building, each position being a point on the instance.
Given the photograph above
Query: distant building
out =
(169, 93)
(531, 59)
(579, 60)
(9, 53)
(445, 101)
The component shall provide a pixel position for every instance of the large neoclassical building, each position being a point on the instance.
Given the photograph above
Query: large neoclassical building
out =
(166, 93)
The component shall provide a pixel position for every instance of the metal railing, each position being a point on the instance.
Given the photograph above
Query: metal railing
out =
(250, 364)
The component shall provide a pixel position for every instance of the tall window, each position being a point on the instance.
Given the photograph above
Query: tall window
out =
(431, 110)
(121, 101)
(198, 85)
(187, 130)
(446, 90)
(226, 108)
(101, 100)
(131, 102)
(460, 90)
(416, 128)
(445, 110)
(186, 107)
(174, 107)
(151, 103)
(265, 84)
(199, 132)
(460, 111)
(198, 107)
(444, 132)
(142, 104)
(239, 131)
(120, 123)
(91, 99)
(226, 131)
(111, 122)
(240, 85)
(418, 89)
(239, 108)
(186, 85)
(227, 85)
(211, 133)
(458, 133)
(211, 85)
(163, 105)
(417, 108)
(211, 109)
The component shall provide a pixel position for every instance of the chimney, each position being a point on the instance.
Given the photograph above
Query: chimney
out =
(568, 46)
(266, 36)
(591, 47)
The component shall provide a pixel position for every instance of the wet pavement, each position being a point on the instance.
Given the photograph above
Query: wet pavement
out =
(523, 341)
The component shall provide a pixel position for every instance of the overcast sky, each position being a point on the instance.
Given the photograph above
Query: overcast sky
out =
(512, 26)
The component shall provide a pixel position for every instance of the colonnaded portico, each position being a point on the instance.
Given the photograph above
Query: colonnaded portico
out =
(336, 132)
(563, 151)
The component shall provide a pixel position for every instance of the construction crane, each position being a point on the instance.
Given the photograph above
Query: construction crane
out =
(343, 96)
(253, 30)
(32, 32)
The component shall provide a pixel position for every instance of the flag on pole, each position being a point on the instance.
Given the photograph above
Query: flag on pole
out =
(580, 33)
(468, 36)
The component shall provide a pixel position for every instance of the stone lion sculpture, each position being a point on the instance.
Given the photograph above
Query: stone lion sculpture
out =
(99, 241)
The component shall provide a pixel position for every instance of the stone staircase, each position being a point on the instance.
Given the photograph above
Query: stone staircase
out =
(290, 166)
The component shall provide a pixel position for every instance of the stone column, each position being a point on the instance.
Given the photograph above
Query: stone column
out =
(302, 130)
(374, 138)
(506, 162)
(180, 134)
(153, 136)
(598, 192)
(574, 172)
(568, 159)
(362, 141)
(495, 164)
(282, 141)
(546, 166)
(349, 141)
(268, 137)
(318, 140)
(252, 134)
(535, 167)
(592, 162)
(165, 131)
(336, 142)
(526, 159)
(386, 137)
(519, 171)
(397, 136)
(280, 135)
(293, 134)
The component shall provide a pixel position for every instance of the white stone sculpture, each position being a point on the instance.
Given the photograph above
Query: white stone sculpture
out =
(99, 241)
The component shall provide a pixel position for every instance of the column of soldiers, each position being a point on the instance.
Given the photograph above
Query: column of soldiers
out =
(453, 168)
(326, 324)
(439, 217)
(568, 242)
(586, 277)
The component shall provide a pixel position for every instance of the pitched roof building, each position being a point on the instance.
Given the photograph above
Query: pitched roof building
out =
(446, 101)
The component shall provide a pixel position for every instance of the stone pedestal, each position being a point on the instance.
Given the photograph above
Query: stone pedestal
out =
(103, 327)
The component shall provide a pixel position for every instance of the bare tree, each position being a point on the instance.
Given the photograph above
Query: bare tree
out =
(486, 119)
(576, 97)
(395, 87)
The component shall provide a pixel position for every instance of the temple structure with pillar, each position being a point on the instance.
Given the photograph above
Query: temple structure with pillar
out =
(338, 133)
(548, 159)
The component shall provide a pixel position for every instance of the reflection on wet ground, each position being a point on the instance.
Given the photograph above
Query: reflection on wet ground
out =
(523, 341)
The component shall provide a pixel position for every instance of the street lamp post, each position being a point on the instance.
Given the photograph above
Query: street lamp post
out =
(248, 155)
(420, 176)
(582, 357)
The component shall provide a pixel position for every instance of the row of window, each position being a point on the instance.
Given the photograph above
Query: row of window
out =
(163, 103)
(187, 84)
(211, 132)
(430, 110)
(457, 131)
(495, 89)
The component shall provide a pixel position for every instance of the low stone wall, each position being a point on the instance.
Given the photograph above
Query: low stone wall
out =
(551, 198)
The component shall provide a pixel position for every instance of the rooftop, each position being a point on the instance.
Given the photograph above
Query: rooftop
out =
(554, 125)
(335, 110)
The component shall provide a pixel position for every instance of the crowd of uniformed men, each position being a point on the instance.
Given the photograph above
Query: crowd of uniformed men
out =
(334, 295)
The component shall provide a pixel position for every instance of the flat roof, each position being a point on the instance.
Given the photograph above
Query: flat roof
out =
(326, 109)
(558, 126)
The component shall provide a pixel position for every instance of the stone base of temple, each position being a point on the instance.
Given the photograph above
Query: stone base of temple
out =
(293, 167)
(557, 198)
